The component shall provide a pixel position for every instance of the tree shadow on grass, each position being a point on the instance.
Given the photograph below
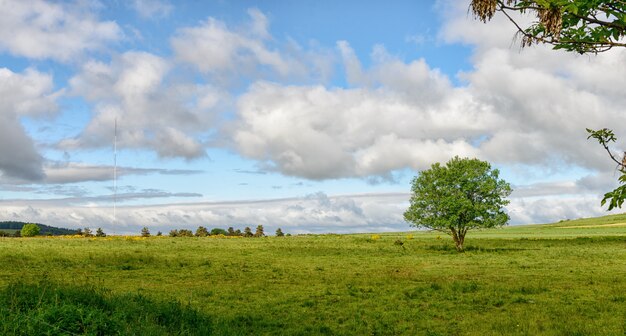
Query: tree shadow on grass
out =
(452, 249)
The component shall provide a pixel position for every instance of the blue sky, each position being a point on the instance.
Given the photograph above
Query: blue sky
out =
(311, 115)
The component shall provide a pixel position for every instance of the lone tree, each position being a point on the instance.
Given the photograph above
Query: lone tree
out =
(202, 231)
(30, 230)
(259, 231)
(100, 233)
(279, 233)
(247, 232)
(462, 195)
(145, 232)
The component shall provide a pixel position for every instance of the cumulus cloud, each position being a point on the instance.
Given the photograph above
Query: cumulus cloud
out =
(528, 107)
(397, 116)
(40, 29)
(29, 94)
(152, 112)
(224, 52)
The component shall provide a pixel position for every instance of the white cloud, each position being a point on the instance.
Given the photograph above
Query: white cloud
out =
(23, 95)
(226, 53)
(153, 112)
(39, 29)
(528, 107)
(152, 9)
(398, 116)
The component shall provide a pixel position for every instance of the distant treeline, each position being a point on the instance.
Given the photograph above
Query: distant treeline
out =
(46, 230)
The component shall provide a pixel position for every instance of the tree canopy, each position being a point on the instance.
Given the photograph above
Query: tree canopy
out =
(581, 26)
(30, 230)
(462, 195)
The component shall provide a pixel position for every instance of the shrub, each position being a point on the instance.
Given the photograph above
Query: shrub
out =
(185, 233)
(145, 232)
(100, 233)
(247, 232)
(202, 232)
(259, 231)
(30, 230)
(218, 231)
(279, 233)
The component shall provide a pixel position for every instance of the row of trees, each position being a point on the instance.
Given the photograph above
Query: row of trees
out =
(201, 231)
(86, 232)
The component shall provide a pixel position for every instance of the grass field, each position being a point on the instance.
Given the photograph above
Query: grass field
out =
(566, 278)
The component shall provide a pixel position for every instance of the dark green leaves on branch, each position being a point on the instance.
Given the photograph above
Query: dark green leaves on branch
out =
(583, 26)
(617, 196)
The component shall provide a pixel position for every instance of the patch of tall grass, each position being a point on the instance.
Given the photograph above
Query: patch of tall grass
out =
(48, 308)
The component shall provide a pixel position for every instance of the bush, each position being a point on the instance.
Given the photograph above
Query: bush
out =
(259, 231)
(30, 230)
(218, 231)
(202, 232)
(183, 233)
(247, 232)
(279, 233)
(145, 232)
(100, 233)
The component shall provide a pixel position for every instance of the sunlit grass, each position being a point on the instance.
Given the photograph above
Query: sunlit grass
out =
(513, 281)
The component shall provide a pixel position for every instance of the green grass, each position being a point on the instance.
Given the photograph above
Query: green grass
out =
(560, 279)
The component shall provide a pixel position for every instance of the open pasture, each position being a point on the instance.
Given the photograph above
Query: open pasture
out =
(566, 278)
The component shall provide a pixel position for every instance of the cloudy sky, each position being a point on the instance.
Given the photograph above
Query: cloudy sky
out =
(312, 116)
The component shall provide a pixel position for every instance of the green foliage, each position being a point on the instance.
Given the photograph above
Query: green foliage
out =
(462, 195)
(230, 231)
(47, 308)
(145, 232)
(30, 230)
(259, 231)
(181, 233)
(100, 233)
(218, 231)
(582, 26)
(45, 229)
(279, 233)
(202, 232)
(247, 232)
(87, 232)
(616, 197)
(185, 233)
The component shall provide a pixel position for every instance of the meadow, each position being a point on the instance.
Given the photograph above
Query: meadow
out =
(566, 278)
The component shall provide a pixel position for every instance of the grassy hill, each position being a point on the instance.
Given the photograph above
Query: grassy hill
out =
(12, 226)
(557, 279)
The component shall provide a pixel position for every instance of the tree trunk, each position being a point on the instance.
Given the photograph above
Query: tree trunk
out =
(459, 238)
